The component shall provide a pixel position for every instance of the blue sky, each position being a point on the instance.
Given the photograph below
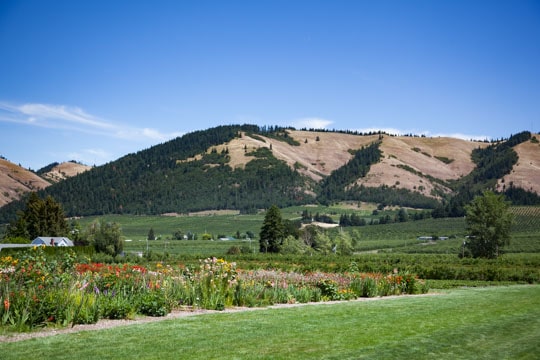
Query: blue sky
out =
(94, 80)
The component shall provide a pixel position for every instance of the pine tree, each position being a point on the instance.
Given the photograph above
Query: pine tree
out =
(40, 218)
(272, 231)
(151, 235)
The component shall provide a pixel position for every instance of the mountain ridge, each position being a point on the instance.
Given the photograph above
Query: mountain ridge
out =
(246, 167)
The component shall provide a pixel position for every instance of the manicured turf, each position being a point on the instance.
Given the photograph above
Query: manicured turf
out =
(472, 323)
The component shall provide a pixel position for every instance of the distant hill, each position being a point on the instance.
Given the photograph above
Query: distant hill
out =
(57, 172)
(15, 181)
(248, 167)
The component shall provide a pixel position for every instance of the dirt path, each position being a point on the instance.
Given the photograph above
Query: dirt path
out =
(176, 314)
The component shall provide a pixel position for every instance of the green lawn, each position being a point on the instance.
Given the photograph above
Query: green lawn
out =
(472, 323)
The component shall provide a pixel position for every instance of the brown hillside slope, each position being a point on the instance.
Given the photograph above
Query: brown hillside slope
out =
(526, 173)
(16, 181)
(407, 161)
(314, 158)
(65, 170)
(319, 153)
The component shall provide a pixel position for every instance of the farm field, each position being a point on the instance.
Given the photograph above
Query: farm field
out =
(394, 237)
(480, 323)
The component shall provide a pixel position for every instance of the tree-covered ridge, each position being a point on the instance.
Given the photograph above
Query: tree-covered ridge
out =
(337, 185)
(492, 163)
(47, 168)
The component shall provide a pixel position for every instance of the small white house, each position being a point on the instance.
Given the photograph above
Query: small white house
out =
(52, 241)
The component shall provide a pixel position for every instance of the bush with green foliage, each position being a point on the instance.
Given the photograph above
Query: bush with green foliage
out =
(106, 237)
(489, 223)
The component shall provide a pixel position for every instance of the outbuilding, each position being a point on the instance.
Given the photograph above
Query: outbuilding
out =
(52, 241)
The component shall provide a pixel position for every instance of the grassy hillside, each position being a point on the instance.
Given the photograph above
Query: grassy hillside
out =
(15, 181)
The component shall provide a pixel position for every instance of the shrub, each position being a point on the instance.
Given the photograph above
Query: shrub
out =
(234, 250)
(114, 306)
(154, 303)
(329, 289)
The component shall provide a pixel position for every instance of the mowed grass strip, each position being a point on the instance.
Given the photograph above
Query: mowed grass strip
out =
(473, 323)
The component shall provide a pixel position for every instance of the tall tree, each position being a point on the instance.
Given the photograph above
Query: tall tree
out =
(343, 243)
(106, 237)
(272, 231)
(488, 222)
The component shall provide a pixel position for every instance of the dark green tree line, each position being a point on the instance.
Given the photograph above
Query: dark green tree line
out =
(39, 218)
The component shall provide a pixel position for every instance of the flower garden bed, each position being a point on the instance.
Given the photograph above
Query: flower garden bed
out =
(39, 292)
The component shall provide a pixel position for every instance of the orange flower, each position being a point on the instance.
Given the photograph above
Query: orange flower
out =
(6, 304)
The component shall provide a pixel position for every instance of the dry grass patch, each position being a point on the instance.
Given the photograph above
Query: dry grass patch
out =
(526, 173)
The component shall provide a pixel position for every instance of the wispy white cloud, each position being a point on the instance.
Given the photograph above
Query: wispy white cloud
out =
(312, 123)
(461, 136)
(391, 131)
(76, 119)
(61, 112)
(394, 131)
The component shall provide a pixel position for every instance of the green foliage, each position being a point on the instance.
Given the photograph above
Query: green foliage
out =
(519, 196)
(444, 159)
(16, 240)
(489, 222)
(154, 303)
(206, 236)
(292, 245)
(280, 134)
(322, 243)
(114, 306)
(343, 244)
(329, 289)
